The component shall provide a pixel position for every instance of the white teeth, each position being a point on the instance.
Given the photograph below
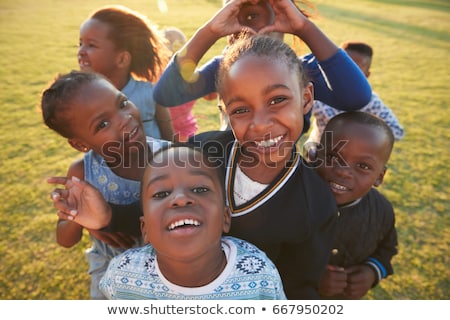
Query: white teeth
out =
(184, 222)
(268, 143)
(338, 186)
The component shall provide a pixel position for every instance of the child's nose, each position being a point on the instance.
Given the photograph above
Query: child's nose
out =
(81, 49)
(343, 170)
(261, 121)
(181, 199)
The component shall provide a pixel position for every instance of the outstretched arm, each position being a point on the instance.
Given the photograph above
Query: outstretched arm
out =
(289, 19)
(181, 81)
(338, 81)
(225, 22)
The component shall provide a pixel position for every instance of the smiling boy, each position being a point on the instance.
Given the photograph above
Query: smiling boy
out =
(355, 149)
(186, 256)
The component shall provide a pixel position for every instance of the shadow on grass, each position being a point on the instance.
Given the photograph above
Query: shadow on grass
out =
(376, 23)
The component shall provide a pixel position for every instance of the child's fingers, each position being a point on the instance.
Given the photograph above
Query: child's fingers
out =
(60, 204)
(75, 181)
(59, 194)
(57, 180)
(70, 215)
(335, 268)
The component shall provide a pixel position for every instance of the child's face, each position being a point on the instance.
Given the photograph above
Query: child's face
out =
(265, 102)
(96, 51)
(353, 160)
(104, 120)
(183, 204)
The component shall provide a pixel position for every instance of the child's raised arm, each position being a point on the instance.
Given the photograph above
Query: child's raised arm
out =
(181, 82)
(289, 19)
(225, 22)
(338, 81)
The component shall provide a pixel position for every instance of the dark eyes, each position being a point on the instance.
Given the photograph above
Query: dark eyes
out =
(164, 194)
(277, 100)
(331, 158)
(102, 125)
(274, 102)
(200, 190)
(89, 45)
(161, 194)
(363, 166)
(124, 103)
(239, 110)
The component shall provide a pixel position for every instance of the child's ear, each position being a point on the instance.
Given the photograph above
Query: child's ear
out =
(124, 59)
(143, 232)
(78, 145)
(308, 97)
(380, 178)
(226, 219)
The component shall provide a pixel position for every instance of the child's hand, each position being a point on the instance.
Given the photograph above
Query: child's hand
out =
(360, 279)
(333, 281)
(226, 21)
(114, 239)
(80, 202)
(288, 18)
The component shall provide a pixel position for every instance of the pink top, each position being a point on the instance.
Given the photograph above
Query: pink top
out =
(183, 119)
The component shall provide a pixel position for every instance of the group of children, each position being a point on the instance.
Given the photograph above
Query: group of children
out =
(236, 214)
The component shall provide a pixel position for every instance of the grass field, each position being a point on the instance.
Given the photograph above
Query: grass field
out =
(411, 40)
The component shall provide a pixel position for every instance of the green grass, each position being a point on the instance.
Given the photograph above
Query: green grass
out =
(411, 40)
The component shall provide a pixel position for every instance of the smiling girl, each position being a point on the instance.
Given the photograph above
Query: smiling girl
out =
(100, 121)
